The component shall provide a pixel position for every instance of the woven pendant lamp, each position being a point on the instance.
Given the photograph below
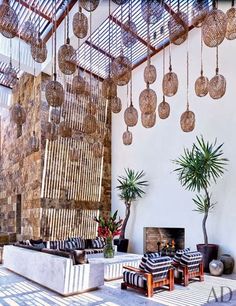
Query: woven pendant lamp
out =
(89, 5)
(187, 121)
(121, 70)
(152, 11)
(97, 149)
(55, 115)
(54, 93)
(131, 116)
(18, 114)
(80, 24)
(170, 83)
(128, 39)
(178, 28)
(116, 105)
(74, 154)
(164, 109)
(150, 74)
(148, 101)
(127, 138)
(51, 131)
(8, 20)
(64, 129)
(34, 143)
(66, 58)
(78, 84)
(217, 85)
(89, 124)
(198, 13)
(39, 50)
(109, 88)
(28, 32)
(214, 28)
(148, 120)
(11, 75)
(231, 23)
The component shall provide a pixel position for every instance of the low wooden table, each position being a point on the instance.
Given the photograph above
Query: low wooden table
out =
(113, 267)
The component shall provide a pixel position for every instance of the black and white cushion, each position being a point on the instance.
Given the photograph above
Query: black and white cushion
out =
(145, 257)
(191, 260)
(178, 255)
(79, 242)
(98, 243)
(158, 266)
(57, 244)
(70, 245)
(135, 279)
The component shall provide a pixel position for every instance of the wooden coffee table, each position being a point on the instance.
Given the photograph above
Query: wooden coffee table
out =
(113, 267)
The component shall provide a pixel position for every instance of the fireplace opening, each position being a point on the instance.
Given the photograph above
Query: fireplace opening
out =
(166, 240)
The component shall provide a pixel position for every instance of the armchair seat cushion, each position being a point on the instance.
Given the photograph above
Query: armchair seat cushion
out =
(135, 279)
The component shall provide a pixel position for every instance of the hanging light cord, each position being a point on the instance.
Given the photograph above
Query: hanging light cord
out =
(201, 53)
(187, 65)
(127, 102)
(19, 50)
(217, 60)
(55, 44)
(109, 30)
(68, 23)
(232, 3)
(163, 51)
(170, 64)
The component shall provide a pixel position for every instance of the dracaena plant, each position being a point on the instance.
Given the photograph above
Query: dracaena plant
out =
(131, 187)
(197, 169)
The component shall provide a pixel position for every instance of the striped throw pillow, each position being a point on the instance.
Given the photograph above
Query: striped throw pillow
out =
(98, 243)
(179, 254)
(158, 266)
(135, 279)
(192, 260)
(145, 257)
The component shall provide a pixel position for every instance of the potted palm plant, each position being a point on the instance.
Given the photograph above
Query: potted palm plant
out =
(131, 188)
(197, 169)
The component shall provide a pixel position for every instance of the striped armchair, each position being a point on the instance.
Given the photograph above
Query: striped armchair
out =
(154, 272)
(188, 266)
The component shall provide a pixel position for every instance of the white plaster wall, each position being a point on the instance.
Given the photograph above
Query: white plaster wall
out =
(166, 203)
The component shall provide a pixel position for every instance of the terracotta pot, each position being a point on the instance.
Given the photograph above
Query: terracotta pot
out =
(209, 253)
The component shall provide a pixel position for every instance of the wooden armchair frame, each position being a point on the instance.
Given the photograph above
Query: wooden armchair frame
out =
(151, 284)
(187, 275)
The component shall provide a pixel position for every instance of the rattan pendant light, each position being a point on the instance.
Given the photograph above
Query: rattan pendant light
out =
(54, 91)
(214, 27)
(10, 72)
(148, 101)
(64, 129)
(127, 137)
(39, 48)
(198, 13)
(202, 83)
(178, 26)
(148, 120)
(187, 119)
(66, 53)
(231, 23)
(80, 24)
(150, 73)
(164, 109)
(116, 105)
(8, 20)
(217, 85)
(89, 5)
(129, 27)
(152, 11)
(51, 131)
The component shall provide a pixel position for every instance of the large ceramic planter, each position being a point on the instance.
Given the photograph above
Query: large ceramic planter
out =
(228, 262)
(122, 245)
(209, 252)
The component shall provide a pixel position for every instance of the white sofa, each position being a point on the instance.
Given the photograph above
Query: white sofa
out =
(54, 272)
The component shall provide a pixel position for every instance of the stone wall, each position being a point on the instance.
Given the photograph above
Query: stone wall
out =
(21, 170)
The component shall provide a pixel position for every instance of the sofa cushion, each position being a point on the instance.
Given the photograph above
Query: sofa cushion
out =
(145, 257)
(135, 279)
(178, 255)
(79, 242)
(98, 243)
(191, 260)
(158, 266)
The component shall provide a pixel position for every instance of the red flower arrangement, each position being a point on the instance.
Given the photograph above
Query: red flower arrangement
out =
(109, 227)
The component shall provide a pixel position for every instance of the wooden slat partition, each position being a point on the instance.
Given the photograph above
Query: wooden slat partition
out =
(59, 224)
(80, 180)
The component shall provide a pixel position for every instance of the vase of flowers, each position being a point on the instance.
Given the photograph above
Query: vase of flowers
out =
(108, 228)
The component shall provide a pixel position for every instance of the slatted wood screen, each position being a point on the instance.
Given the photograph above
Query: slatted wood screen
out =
(81, 180)
(59, 224)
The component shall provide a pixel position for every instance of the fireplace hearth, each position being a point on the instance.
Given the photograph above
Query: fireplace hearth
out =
(165, 240)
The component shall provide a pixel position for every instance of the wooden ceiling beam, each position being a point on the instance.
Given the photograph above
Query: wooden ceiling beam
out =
(59, 20)
(34, 9)
(127, 29)
(99, 49)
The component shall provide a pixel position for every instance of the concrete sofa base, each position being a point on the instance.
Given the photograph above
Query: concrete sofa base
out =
(54, 272)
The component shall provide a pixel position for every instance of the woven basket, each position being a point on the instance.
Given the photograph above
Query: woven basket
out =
(164, 110)
(8, 20)
(80, 25)
(148, 121)
(116, 105)
(231, 24)
(148, 101)
(127, 138)
(214, 28)
(89, 5)
(66, 59)
(201, 86)
(187, 121)
(217, 86)
(54, 93)
(131, 116)
(39, 51)
(150, 74)
(170, 84)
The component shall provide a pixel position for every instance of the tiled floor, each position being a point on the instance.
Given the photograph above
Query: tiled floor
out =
(16, 290)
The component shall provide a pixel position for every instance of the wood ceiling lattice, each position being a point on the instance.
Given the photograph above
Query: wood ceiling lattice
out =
(107, 46)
